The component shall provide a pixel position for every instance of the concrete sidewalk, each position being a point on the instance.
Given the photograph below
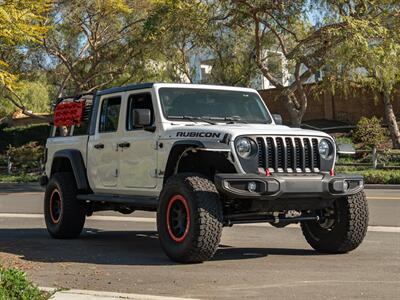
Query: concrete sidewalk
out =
(97, 295)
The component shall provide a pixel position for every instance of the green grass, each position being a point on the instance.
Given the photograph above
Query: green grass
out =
(20, 178)
(373, 176)
(15, 286)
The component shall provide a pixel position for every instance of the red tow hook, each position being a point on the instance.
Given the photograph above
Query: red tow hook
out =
(332, 173)
(267, 173)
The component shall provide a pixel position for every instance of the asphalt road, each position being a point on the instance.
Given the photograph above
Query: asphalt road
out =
(253, 262)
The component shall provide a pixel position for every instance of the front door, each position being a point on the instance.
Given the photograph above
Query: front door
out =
(138, 156)
(103, 146)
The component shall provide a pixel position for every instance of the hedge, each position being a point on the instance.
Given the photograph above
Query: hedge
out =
(374, 176)
(18, 136)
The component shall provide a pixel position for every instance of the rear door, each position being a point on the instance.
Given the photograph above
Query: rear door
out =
(138, 157)
(103, 145)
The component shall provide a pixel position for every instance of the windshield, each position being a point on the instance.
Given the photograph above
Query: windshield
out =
(218, 105)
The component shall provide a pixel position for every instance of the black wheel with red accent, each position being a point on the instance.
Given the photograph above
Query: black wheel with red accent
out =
(55, 206)
(64, 214)
(189, 218)
(342, 227)
(178, 218)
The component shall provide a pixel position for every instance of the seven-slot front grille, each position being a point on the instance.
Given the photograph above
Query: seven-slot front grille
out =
(288, 154)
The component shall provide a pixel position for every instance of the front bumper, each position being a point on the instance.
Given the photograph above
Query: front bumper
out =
(284, 186)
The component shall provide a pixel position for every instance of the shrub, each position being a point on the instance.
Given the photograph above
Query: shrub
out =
(382, 177)
(370, 132)
(27, 158)
(18, 136)
(388, 158)
(344, 140)
(373, 176)
(3, 161)
(19, 178)
(15, 286)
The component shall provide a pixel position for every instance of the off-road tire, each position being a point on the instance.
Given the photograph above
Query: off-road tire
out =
(205, 216)
(71, 217)
(348, 231)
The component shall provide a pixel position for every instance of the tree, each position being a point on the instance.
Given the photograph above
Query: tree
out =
(177, 28)
(183, 31)
(283, 28)
(35, 95)
(93, 43)
(230, 48)
(370, 57)
(21, 24)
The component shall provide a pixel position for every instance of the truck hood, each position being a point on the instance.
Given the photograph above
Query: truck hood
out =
(208, 131)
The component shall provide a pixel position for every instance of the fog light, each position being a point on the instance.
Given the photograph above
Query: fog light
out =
(252, 186)
(345, 185)
(340, 186)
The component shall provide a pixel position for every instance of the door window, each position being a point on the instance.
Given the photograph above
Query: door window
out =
(109, 115)
(138, 101)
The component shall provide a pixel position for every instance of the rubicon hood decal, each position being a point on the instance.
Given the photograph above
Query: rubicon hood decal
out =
(198, 134)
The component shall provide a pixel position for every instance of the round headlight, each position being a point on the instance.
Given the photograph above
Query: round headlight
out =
(324, 148)
(244, 147)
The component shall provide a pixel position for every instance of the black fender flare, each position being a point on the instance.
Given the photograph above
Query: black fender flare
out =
(78, 167)
(195, 144)
(206, 145)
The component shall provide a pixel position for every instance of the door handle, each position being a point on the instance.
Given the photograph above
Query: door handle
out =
(99, 146)
(124, 145)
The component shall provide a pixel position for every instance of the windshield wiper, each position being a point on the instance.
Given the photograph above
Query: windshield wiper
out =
(194, 119)
(231, 120)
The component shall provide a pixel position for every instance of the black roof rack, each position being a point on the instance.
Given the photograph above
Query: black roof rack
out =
(119, 89)
(125, 88)
(74, 97)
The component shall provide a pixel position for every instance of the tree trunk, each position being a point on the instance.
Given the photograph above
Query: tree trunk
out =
(296, 114)
(295, 117)
(391, 119)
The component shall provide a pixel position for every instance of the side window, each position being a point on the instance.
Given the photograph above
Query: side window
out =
(138, 101)
(109, 115)
(83, 128)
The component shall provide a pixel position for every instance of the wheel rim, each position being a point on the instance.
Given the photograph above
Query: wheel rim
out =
(329, 219)
(178, 218)
(55, 206)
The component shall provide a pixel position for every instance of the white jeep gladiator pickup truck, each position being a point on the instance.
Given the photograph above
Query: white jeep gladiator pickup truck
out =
(203, 157)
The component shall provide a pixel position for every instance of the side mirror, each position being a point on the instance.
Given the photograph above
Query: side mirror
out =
(141, 117)
(345, 149)
(277, 119)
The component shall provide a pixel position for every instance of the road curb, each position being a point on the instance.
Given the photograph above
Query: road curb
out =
(21, 187)
(99, 295)
(382, 186)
